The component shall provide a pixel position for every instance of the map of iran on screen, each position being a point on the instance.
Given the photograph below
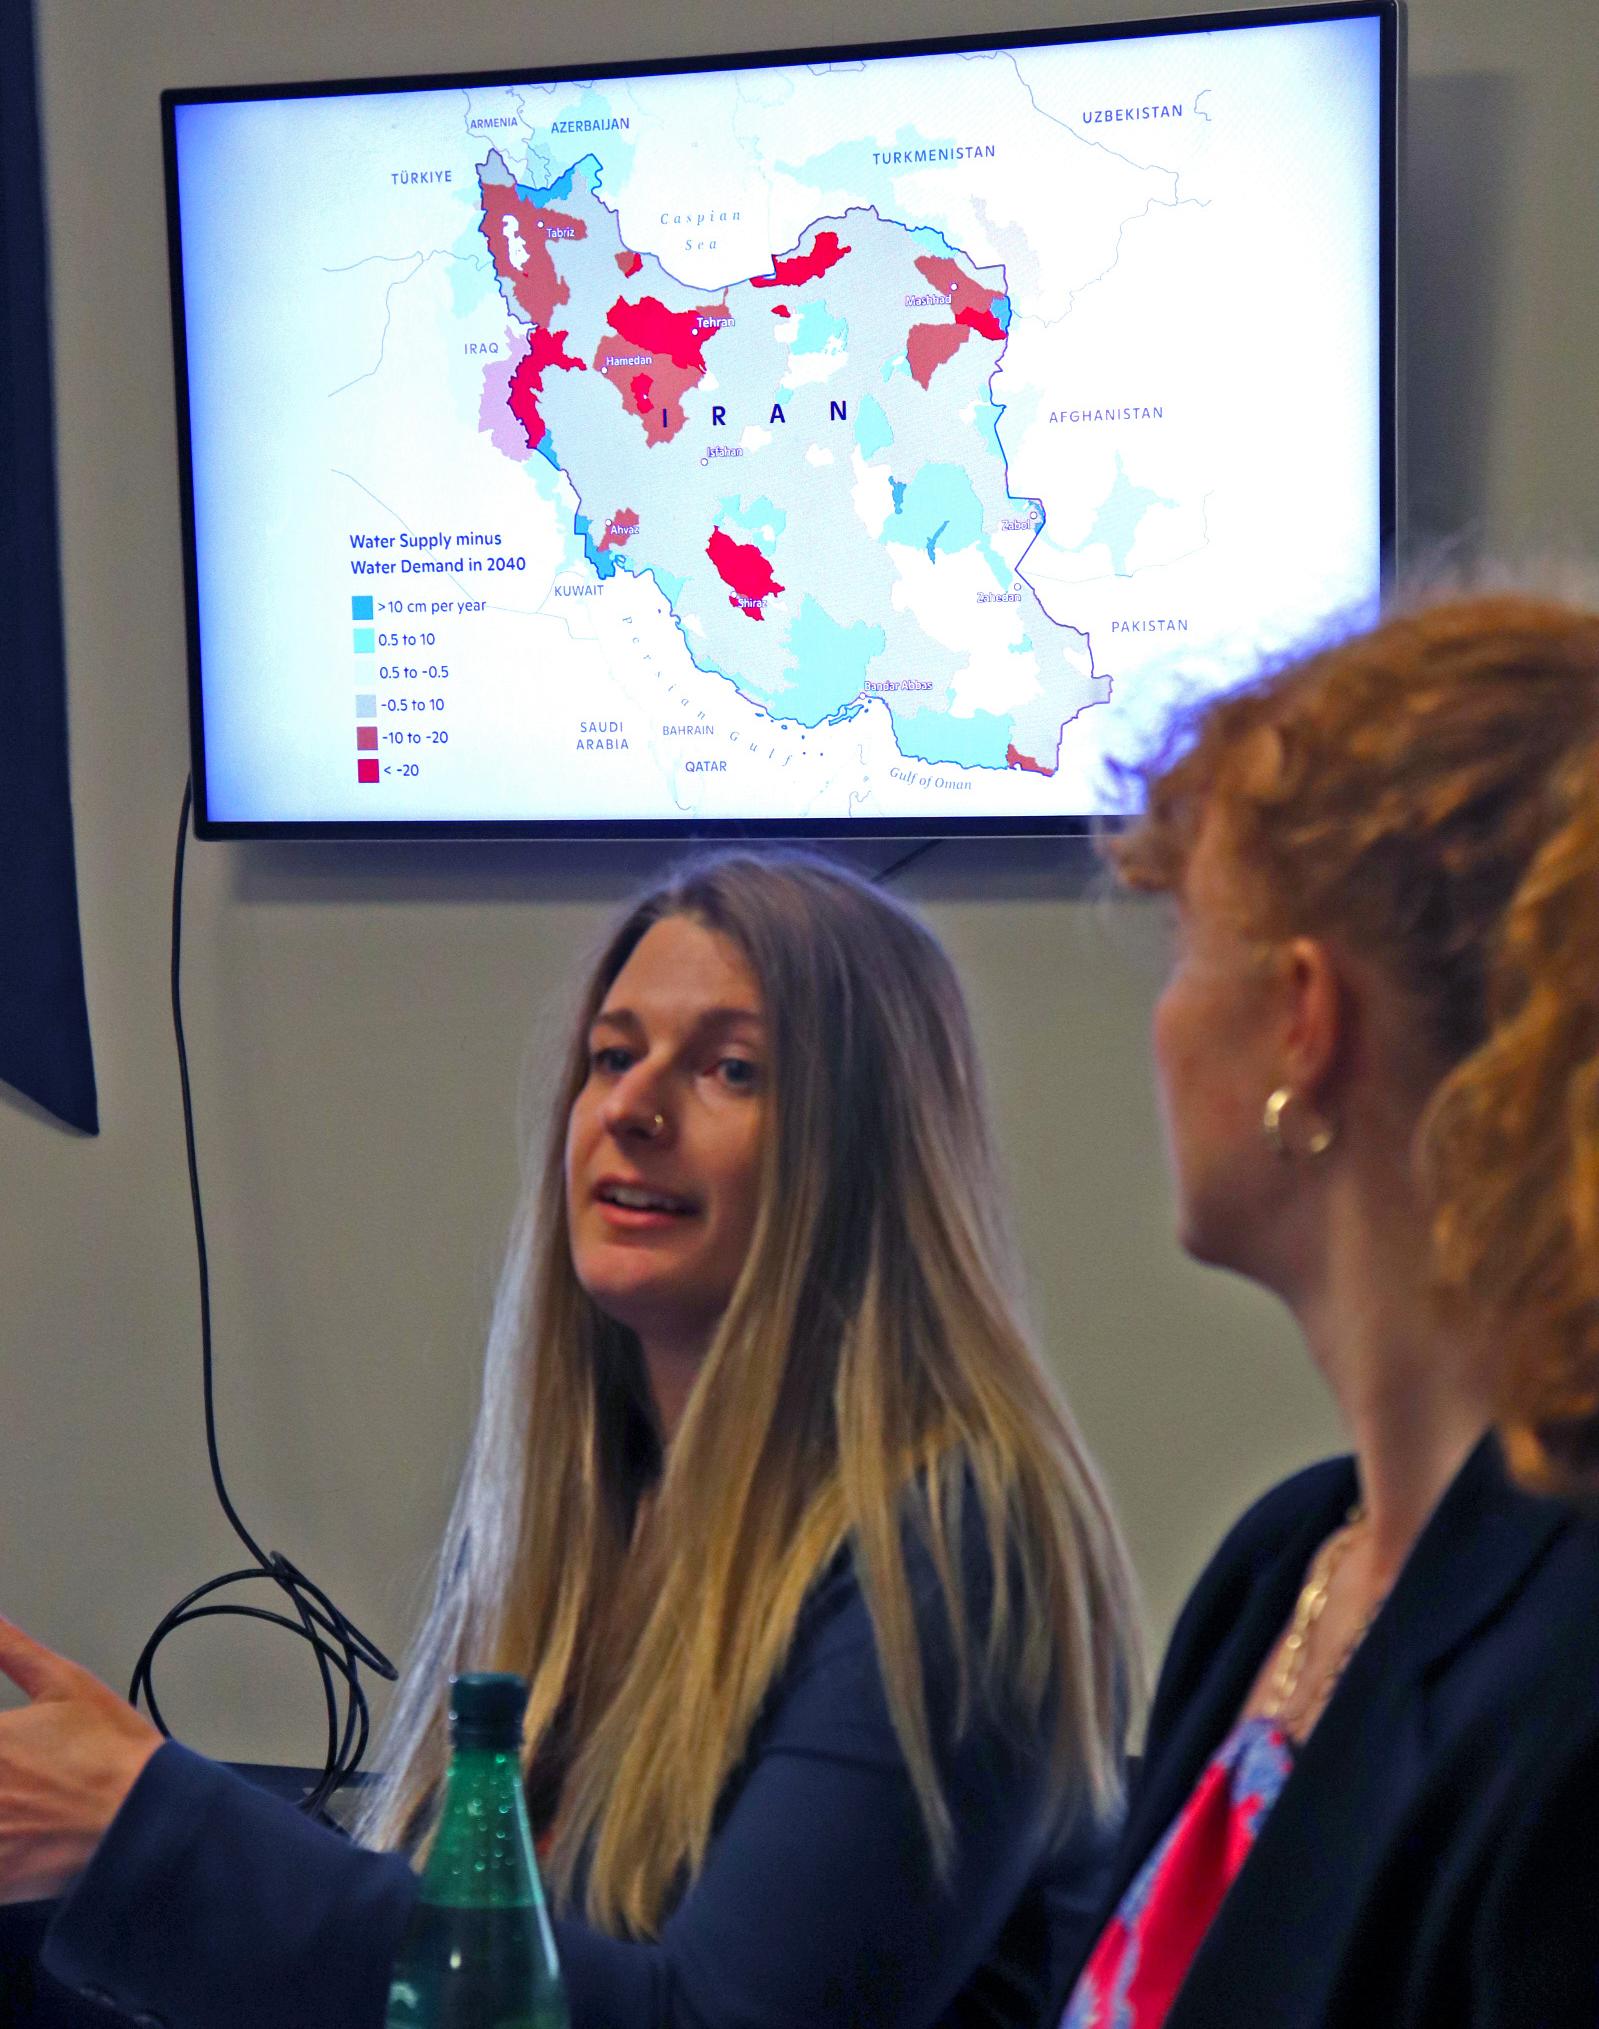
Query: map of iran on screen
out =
(886, 440)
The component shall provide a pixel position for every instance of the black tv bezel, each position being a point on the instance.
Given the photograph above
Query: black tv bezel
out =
(1388, 13)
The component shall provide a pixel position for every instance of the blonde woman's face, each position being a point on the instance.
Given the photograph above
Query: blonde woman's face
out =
(663, 1141)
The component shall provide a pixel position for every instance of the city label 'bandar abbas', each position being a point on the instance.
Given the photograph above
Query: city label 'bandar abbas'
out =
(806, 461)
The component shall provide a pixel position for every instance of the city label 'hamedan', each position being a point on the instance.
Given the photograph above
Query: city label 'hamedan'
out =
(807, 462)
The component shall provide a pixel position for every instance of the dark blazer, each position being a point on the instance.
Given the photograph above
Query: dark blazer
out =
(211, 1905)
(1433, 1861)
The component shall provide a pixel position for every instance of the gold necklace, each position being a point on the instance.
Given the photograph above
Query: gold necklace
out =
(1283, 1685)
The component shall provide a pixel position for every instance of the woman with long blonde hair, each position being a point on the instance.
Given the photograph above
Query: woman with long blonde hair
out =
(1371, 1781)
(827, 1621)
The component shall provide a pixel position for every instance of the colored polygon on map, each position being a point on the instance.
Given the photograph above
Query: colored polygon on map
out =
(621, 526)
(546, 349)
(823, 253)
(742, 567)
(834, 471)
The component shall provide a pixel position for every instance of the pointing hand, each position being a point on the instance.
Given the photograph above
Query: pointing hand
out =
(68, 1758)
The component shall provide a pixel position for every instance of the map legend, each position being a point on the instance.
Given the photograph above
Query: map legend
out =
(366, 641)
(361, 606)
(367, 766)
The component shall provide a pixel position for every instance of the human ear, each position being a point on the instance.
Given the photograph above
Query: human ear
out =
(1316, 1016)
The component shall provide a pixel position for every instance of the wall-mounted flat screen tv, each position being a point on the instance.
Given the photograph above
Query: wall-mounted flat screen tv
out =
(851, 440)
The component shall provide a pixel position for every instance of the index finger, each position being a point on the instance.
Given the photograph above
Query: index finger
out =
(29, 1664)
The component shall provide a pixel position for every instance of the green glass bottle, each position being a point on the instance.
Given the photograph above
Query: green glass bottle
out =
(478, 1953)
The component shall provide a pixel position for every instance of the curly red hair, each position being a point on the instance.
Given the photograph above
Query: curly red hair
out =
(1429, 792)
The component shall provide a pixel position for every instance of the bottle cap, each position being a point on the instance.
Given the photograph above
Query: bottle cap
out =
(488, 1704)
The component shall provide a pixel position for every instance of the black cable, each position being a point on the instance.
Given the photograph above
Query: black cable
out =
(336, 1642)
(905, 859)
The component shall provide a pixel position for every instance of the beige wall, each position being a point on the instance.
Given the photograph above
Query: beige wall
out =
(360, 1017)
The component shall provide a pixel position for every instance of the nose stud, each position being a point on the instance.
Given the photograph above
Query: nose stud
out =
(656, 1127)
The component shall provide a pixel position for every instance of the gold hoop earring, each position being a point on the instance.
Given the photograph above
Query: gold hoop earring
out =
(1317, 1142)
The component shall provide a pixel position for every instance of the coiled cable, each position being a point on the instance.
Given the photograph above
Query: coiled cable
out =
(339, 1646)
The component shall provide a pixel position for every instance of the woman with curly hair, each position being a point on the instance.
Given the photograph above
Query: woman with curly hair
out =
(1368, 1796)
